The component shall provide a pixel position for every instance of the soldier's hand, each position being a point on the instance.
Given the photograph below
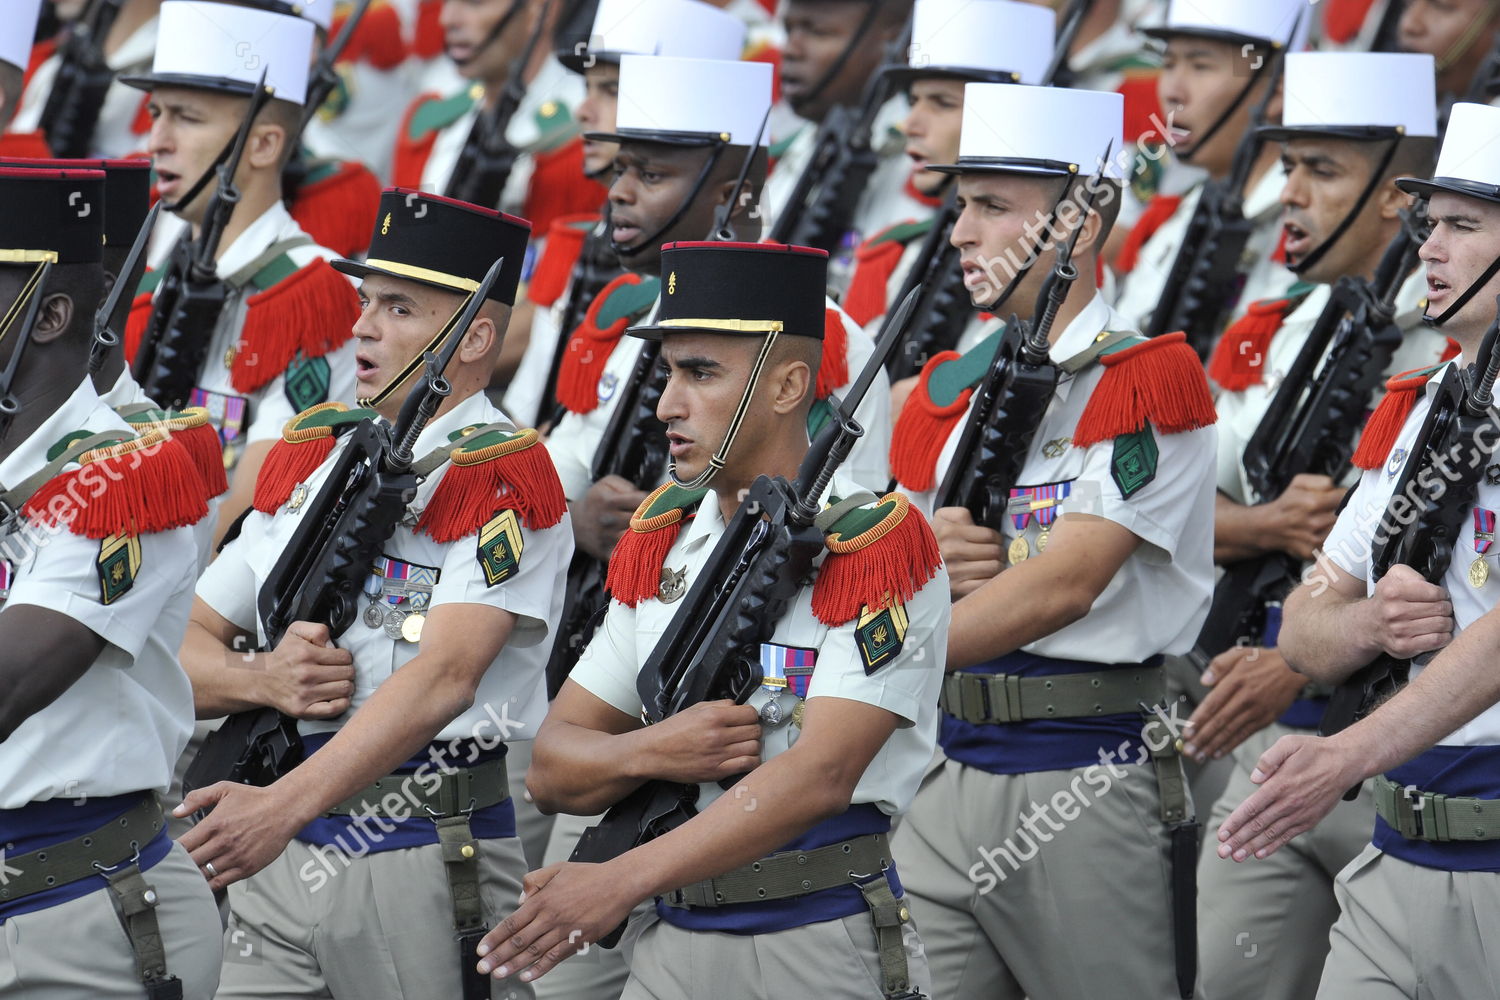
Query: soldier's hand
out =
(602, 516)
(1407, 615)
(709, 741)
(1298, 521)
(1249, 689)
(973, 554)
(1301, 780)
(245, 831)
(310, 677)
(564, 909)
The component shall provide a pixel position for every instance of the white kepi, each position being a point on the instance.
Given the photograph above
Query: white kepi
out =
(1047, 131)
(657, 28)
(691, 102)
(1238, 22)
(1357, 95)
(998, 41)
(215, 46)
(17, 35)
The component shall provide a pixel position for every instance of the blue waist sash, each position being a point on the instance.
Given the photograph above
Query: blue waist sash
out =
(783, 914)
(1046, 744)
(39, 825)
(1447, 770)
(376, 834)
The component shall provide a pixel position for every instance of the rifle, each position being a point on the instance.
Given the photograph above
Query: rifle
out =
(83, 79)
(823, 201)
(1059, 73)
(711, 649)
(1310, 427)
(485, 163)
(320, 573)
(106, 339)
(1010, 403)
(192, 296)
(1439, 481)
(1202, 284)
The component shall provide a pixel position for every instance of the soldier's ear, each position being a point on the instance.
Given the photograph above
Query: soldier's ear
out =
(266, 146)
(53, 319)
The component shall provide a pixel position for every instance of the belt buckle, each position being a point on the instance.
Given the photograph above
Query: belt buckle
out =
(1414, 800)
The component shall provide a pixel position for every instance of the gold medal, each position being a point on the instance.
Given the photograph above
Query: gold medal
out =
(229, 357)
(411, 626)
(1041, 541)
(797, 713)
(1479, 572)
(1019, 550)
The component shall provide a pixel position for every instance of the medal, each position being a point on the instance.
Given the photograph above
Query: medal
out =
(797, 713)
(394, 619)
(374, 615)
(229, 357)
(770, 712)
(1484, 537)
(1041, 501)
(411, 628)
(1019, 551)
(1492, 473)
(1041, 540)
(673, 585)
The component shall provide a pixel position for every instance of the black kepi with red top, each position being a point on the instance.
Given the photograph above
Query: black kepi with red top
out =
(444, 243)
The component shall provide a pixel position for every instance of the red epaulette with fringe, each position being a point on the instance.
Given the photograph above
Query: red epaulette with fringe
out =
(922, 427)
(1158, 210)
(565, 239)
(589, 347)
(142, 490)
(1239, 359)
(833, 369)
(489, 472)
(1158, 381)
(310, 311)
(1401, 394)
(877, 556)
(558, 186)
(635, 566)
(338, 208)
(377, 41)
(194, 430)
(306, 442)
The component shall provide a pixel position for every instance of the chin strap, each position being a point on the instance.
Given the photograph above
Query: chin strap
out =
(838, 64)
(722, 454)
(1317, 253)
(1469, 293)
(708, 165)
(1034, 254)
(1223, 119)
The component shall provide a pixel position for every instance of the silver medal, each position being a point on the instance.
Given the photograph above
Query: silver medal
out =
(770, 712)
(393, 620)
(374, 615)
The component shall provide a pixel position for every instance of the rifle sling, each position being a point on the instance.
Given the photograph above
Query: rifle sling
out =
(242, 277)
(1103, 342)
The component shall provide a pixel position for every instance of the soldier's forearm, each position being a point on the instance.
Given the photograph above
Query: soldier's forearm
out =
(1238, 532)
(582, 771)
(995, 620)
(1324, 635)
(225, 680)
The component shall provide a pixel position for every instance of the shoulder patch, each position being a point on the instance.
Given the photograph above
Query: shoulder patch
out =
(1133, 463)
(307, 381)
(118, 563)
(500, 547)
(879, 635)
(878, 556)
(490, 471)
(635, 567)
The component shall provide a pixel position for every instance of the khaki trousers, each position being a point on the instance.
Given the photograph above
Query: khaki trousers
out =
(1263, 924)
(377, 928)
(1012, 905)
(78, 950)
(1405, 931)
